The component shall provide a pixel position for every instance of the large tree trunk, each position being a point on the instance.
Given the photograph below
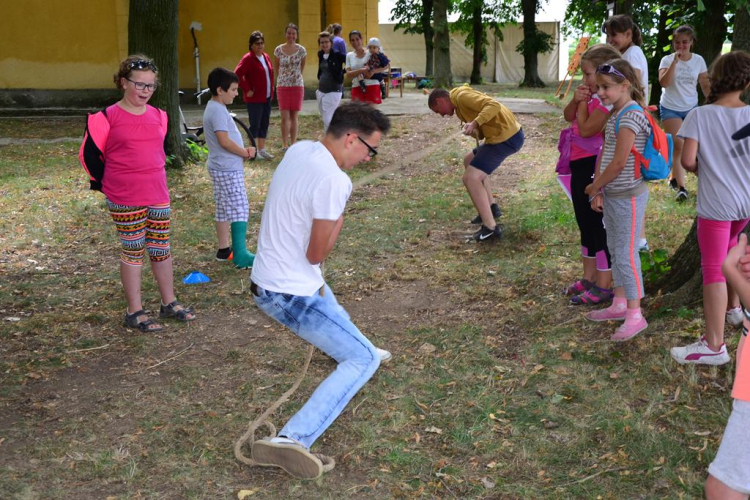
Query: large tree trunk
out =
(477, 33)
(429, 36)
(662, 40)
(741, 37)
(685, 263)
(530, 54)
(712, 30)
(443, 75)
(624, 7)
(152, 31)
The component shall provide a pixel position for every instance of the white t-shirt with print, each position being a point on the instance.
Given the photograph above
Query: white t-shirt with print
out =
(635, 56)
(723, 173)
(354, 62)
(682, 94)
(308, 184)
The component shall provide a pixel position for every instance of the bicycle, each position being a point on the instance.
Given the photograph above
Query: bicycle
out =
(194, 133)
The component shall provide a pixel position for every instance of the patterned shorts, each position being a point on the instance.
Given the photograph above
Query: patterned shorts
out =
(141, 229)
(230, 196)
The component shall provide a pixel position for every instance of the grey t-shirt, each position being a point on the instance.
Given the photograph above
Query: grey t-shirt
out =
(723, 163)
(625, 184)
(216, 118)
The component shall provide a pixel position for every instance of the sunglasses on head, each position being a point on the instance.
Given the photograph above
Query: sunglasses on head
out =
(142, 65)
(608, 69)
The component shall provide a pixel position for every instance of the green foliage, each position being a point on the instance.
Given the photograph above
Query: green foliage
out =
(654, 264)
(495, 14)
(197, 152)
(408, 15)
(541, 43)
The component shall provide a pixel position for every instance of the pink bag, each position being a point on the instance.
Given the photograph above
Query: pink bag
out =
(563, 146)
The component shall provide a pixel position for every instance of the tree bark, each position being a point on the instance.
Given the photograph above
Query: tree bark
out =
(152, 31)
(443, 75)
(429, 36)
(741, 36)
(662, 40)
(624, 7)
(477, 33)
(530, 55)
(685, 263)
(713, 30)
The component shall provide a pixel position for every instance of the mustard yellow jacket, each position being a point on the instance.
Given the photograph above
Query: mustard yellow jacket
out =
(496, 122)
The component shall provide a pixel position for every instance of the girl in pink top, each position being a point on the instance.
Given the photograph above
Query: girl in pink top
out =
(135, 184)
(588, 116)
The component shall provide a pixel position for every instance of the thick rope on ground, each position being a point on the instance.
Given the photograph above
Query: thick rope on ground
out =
(249, 435)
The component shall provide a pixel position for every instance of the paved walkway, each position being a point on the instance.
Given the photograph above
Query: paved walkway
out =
(411, 104)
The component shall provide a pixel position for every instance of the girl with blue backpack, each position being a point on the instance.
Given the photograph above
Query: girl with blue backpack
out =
(723, 207)
(620, 192)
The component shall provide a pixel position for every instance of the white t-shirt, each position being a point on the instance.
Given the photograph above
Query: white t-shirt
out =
(216, 118)
(635, 56)
(723, 173)
(262, 59)
(354, 62)
(682, 94)
(308, 184)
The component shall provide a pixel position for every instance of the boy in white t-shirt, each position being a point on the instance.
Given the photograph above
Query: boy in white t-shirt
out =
(301, 222)
(226, 153)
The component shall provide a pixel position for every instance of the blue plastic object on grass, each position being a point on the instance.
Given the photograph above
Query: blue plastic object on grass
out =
(195, 277)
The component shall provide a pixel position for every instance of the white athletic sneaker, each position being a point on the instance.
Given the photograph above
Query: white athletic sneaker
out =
(385, 356)
(700, 353)
(735, 316)
(265, 154)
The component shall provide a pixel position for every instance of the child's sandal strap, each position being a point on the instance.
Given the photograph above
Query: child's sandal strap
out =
(131, 321)
(182, 314)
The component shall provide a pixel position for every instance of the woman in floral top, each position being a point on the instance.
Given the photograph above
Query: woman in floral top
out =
(290, 89)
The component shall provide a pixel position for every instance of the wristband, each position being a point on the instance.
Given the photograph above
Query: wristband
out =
(591, 198)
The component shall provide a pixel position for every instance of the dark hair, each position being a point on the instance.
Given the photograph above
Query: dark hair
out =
(685, 30)
(729, 73)
(324, 34)
(620, 24)
(435, 95)
(354, 32)
(599, 54)
(292, 25)
(358, 117)
(221, 77)
(255, 36)
(135, 62)
(335, 29)
(624, 67)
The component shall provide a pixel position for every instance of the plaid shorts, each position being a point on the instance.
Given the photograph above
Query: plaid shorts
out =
(230, 195)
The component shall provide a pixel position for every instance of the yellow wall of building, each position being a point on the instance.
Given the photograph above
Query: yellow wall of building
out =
(78, 45)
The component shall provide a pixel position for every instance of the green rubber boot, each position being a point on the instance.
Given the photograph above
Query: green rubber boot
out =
(240, 255)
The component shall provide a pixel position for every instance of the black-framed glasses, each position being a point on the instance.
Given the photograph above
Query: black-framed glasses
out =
(142, 65)
(140, 85)
(372, 150)
(608, 69)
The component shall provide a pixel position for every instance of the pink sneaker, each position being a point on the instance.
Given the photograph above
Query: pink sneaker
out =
(607, 314)
(629, 329)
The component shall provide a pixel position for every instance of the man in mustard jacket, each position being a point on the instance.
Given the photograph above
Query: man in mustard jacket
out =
(485, 118)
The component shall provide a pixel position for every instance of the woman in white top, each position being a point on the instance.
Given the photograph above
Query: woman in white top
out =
(624, 35)
(289, 59)
(356, 69)
(679, 73)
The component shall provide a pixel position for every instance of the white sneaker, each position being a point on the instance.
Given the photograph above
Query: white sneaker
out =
(700, 353)
(265, 154)
(735, 316)
(385, 356)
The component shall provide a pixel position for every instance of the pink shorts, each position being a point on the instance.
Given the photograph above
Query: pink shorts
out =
(715, 239)
(290, 98)
(371, 95)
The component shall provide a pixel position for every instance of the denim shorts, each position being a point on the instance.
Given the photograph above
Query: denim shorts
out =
(488, 157)
(667, 114)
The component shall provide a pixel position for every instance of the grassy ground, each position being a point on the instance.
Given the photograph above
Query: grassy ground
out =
(498, 388)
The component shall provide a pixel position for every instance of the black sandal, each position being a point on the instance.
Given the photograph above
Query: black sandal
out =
(131, 321)
(171, 311)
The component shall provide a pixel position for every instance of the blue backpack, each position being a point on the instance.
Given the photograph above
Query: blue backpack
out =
(656, 161)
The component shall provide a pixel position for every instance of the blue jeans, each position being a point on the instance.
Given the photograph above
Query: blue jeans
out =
(326, 325)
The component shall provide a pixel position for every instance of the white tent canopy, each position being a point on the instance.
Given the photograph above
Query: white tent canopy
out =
(504, 64)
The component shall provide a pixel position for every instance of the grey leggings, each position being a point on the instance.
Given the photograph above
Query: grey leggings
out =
(623, 219)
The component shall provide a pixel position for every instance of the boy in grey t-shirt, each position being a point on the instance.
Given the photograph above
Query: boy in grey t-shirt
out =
(226, 153)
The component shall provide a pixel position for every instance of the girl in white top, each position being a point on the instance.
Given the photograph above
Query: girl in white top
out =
(624, 35)
(356, 69)
(678, 75)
